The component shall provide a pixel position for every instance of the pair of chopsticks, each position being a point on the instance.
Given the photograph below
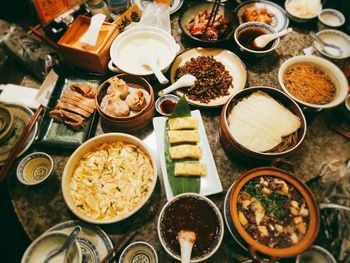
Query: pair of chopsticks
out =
(213, 14)
(19, 145)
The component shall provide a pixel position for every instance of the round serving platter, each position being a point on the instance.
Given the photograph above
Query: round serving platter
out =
(232, 63)
(174, 5)
(280, 20)
(93, 241)
(21, 118)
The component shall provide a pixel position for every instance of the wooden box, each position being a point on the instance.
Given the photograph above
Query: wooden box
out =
(87, 57)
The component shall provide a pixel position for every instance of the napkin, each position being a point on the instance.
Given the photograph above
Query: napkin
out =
(11, 93)
(90, 37)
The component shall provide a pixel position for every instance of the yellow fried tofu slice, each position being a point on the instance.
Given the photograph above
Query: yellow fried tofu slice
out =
(185, 151)
(190, 169)
(183, 136)
(184, 123)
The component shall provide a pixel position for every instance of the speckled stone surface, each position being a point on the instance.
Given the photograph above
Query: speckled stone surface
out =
(39, 208)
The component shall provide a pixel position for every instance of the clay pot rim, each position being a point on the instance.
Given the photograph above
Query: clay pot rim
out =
(314, 223)
(262, 154)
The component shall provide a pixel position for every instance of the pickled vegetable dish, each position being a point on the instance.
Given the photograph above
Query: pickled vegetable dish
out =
(273, 212)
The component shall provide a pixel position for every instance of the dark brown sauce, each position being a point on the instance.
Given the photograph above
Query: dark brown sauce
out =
(247, 37)
(193, 214)
(167, 106)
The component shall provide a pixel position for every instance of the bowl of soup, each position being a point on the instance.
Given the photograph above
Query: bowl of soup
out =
(246, 33)
(192, 212)
(274, 213)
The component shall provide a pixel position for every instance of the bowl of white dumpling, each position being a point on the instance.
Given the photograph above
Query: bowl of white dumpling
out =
(125, 103)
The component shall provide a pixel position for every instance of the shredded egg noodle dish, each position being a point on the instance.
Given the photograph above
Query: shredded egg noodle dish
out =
(111, 180)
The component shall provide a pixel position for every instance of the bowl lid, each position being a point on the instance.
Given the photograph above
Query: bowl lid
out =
(314, 223)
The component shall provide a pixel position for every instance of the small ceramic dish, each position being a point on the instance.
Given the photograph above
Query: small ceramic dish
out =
(189, 14)
(6, 121)
(196, 213)
(165, 104)
(35, 168)
(255, 26)
(335, 37)
(331, 17)
(293, 13)
(316, 254)
(39, 250)
(347, 103)
(139, 252)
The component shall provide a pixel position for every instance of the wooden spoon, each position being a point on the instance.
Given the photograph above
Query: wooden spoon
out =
(186, 239)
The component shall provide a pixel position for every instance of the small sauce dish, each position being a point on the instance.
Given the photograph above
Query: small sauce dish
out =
(35, 168)
(165, 104)
(331, 18)
(139, 252)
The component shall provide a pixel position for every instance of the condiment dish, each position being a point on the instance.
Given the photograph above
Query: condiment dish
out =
(35, 168)
(166, 109)
(138, 252)
(331, 18)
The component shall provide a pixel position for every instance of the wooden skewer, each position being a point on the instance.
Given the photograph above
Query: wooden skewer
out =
(19, 145)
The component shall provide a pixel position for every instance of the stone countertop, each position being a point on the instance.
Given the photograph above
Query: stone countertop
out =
(40, 207)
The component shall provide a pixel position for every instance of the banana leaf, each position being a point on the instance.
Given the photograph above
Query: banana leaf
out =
(179, 184)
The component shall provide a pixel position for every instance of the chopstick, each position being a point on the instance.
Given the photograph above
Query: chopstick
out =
(129, 236)
(213, 14)
(19, 145)
(42, 36)
(341, 130)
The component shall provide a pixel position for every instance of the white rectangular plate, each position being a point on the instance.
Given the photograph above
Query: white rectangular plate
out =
(210, 184)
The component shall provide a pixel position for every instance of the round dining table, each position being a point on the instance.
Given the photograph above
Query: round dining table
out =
(41, 207)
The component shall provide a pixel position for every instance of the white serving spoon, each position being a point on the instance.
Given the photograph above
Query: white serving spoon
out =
(150, 59)
(185, 81)
(186, 239)
(262, 41)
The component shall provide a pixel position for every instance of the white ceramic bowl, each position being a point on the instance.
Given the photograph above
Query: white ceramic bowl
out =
(48, 242)
(217, 212)
(35, 168)
(120, 50)
(335, 74)
(331, 18)
(256, 25)
(347, 103)
(299, 19)
(337, 38)
(87, 147)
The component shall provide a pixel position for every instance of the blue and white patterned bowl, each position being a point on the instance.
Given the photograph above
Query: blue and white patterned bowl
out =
(35, 168)
(331, 18)
(335, 37)
(139, 252)
(256, 25)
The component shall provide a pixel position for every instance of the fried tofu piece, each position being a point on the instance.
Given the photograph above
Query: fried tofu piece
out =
(183, 136)
(185, 151)
(190, 169)
(184, 123)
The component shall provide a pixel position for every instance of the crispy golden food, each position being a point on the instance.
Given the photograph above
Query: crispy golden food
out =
(254, 14)
(190, 169)
(213, 80)
(308, 83)
(273, 212)
(216, 30)
(183, 123)
(111, 180)
(185, 151)
(183, 136)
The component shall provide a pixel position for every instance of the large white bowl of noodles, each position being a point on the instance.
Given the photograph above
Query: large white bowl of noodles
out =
(108, 178)
(330, 70)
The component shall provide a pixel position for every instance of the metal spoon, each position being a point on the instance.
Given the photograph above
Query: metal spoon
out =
(326, 46)
(66, 245)
(186, 239)
(185, 81)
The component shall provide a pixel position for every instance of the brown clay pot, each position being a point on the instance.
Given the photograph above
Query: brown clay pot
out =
(255, 246)
(238, 151)
(130, 123)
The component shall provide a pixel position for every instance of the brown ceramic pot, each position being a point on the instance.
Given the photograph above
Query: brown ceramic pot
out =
(245, 155)
(130, 123)
(255, 246)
